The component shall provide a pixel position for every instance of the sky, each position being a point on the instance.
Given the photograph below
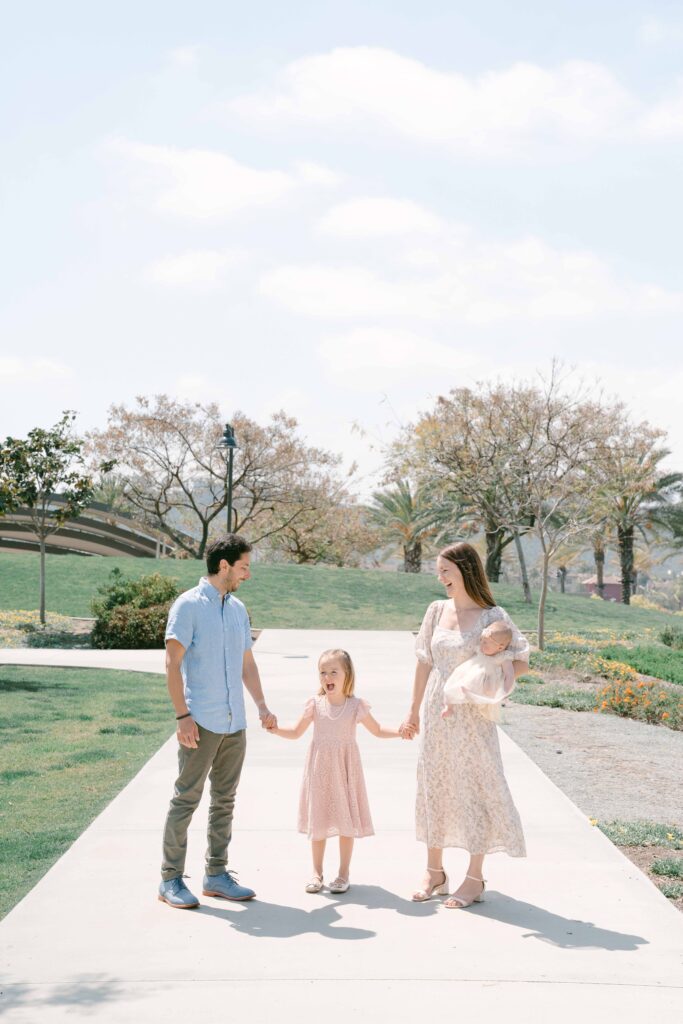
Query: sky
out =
(340, 210)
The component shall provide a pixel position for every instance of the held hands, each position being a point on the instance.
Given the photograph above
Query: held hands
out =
(187, 732)
(268, 719)
(410, 727)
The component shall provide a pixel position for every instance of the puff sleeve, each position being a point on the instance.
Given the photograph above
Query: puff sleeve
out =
(518, 648)
(363, 709)
(423, 640)
(309, 708)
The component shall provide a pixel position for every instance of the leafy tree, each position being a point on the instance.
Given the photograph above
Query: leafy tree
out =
(463, 451)
(639, 498)
(406, 517)
(174, 470)
(44, 476)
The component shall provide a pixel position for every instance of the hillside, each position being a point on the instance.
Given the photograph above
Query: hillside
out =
(287, 596)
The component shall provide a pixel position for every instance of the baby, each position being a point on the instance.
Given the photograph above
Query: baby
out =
(486, 678)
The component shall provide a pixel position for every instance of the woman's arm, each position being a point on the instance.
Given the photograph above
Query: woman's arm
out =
(373, 726)
(292, 732)
(411, 723)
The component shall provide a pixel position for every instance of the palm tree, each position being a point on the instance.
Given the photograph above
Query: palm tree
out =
(641, 501)
(408, 519)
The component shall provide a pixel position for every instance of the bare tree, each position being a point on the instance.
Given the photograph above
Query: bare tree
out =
(175, 472)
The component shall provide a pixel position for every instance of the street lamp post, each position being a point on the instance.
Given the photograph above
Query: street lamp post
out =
(230, 444)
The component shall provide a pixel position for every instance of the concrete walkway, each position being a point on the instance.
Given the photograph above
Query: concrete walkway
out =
(574, 931)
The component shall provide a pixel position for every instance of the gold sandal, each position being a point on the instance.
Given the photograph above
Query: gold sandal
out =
(437, 889)
(458, 903)
(315, 884)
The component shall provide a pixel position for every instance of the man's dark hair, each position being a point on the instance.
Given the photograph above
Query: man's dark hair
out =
(231, 547)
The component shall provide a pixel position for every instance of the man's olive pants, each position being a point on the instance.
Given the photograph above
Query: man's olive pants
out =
(222, 755)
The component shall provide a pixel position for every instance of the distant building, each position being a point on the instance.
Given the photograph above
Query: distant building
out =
(611, 590)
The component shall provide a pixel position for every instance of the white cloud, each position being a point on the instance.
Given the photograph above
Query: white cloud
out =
(655, 32)
(395, 354)
(317, 174)
(206, 185)
(377, 217)
(345, 291)
(464, 279)
(194, 388)
(202, 270)
(665, 119)
(492, 112)
(184, 56)
(14, 369)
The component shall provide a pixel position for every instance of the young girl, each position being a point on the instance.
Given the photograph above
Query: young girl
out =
(333, 799)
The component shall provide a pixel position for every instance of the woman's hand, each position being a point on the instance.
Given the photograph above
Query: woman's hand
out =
(410, 726)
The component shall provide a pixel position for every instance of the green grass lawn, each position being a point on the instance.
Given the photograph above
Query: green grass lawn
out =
(291, 596)
(70, 740)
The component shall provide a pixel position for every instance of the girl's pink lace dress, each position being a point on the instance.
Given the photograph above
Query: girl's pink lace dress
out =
(333, 800)
(462, 796)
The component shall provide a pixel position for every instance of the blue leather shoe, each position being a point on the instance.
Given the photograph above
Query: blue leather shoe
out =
(176, 894)
(226, 887)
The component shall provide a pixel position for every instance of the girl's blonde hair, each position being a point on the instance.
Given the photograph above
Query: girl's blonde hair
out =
(349, 673)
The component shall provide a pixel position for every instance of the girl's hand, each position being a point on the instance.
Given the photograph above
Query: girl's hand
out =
(410, 726)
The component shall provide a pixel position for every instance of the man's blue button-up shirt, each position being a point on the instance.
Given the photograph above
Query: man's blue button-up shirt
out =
(215, 633)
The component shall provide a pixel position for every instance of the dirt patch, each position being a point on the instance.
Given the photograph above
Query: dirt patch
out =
(645, 856)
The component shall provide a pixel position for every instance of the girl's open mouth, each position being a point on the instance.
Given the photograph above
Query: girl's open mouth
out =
(329, 687)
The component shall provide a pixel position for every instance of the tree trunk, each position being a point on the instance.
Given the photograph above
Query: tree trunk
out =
(599, 556)
(412, 557)
(522, 565)
(625, 542)
(494, 553)
(541, 603)
(562, 573)
(42, 581)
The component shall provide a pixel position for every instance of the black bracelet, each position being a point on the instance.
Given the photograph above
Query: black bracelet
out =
(188, 715)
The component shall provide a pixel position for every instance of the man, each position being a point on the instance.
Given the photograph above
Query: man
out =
(208, 661)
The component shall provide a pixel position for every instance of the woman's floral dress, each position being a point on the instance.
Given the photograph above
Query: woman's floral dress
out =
(462, 797)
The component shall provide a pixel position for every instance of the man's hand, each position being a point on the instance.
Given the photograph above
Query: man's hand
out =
(187, 732)
(268, 719)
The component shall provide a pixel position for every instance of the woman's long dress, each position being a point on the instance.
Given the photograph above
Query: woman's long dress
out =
(462, 797)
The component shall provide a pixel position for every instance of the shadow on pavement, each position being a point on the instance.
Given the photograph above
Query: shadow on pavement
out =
(86, 992)
(272, 920)
(565, 932)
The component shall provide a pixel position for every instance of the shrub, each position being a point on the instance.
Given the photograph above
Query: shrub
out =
(642, 833)
(661, 662)
(127, 627)
(672, 636)
(640, 601)
(644, 701)
(672, 890)
(142, 592)
(551, 697)
(132, 613)
(672, 867)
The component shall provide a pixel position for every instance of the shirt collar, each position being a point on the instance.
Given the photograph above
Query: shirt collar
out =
(208, 590)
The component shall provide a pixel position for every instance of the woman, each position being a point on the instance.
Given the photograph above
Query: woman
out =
(462, 796)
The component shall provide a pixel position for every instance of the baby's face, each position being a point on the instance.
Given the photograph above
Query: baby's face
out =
(492, 644)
